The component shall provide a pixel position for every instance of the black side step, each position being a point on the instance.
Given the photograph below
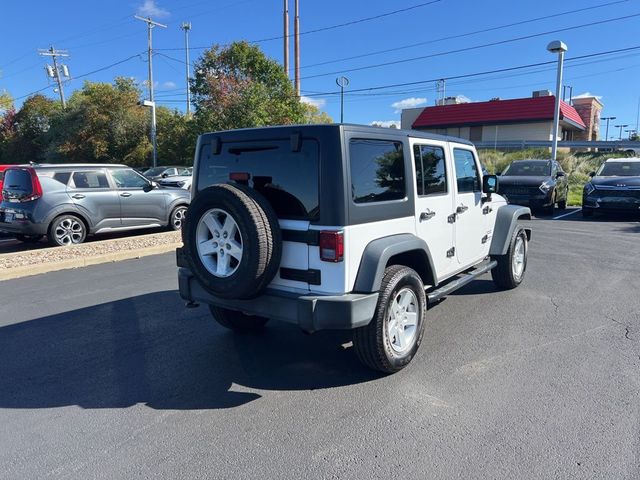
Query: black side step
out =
(460, 282)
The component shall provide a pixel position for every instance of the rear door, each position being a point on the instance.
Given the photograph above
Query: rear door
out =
(140, 205)
(434, 203)
(468, 207)
(289, 181)
(91, 192)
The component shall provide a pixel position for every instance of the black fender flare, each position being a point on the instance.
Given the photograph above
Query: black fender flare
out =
(378, 252)
(507, 218)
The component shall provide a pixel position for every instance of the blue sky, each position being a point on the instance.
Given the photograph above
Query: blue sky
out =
(98, 34)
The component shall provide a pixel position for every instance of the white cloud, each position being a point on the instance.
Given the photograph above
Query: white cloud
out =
(316, 102)
(385, 123)
(408, 103)
(586, 95)
(150, 9)
(169, 84)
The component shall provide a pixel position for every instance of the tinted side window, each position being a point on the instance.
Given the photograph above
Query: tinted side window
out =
(431, 173)
(377, 170)
(62, 177)
(128, 179)
(90, 180)
(466, 171)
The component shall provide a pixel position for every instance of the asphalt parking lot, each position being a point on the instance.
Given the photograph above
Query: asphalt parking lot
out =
(106, 375)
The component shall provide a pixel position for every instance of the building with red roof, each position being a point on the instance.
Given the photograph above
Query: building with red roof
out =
(504, 120)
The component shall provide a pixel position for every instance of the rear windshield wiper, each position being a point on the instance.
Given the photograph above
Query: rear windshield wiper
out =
(239, 150)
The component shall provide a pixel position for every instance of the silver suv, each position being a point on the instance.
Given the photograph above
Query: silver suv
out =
(68, 202)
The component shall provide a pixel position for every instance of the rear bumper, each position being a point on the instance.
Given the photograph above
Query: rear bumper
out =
(310, 312)
(19, 222)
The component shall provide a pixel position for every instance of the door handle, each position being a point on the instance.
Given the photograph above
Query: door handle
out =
(462, 208)
(125, 194)
(77, 196)
(426, 215)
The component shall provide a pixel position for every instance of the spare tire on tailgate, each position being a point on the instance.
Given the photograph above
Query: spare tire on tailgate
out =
(232, 241)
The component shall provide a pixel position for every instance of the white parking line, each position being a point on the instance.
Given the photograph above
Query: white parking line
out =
(566, 214)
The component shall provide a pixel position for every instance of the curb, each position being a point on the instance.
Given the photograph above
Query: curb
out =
(29, 270)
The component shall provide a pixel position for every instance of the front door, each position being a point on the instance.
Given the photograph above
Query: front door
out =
(434, 204)
(470, 220)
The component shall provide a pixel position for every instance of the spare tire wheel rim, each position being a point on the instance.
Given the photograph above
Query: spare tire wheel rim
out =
(219, 243)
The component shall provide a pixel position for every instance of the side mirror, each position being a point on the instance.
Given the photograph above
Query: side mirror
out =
(149, 186)
(489, 184)
(560, 174)
(592, 174)
(165, 175)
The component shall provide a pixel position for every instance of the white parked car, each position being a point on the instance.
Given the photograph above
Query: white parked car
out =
(177, 181)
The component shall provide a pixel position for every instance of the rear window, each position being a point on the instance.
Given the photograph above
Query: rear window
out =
(17, 180)
(287, 179)
(90, 180)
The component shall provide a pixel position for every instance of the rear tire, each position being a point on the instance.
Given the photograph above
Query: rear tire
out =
(394, 334)
(511, 267)
(562, 205)
(176, 220)
(237, 321)
(67, 230)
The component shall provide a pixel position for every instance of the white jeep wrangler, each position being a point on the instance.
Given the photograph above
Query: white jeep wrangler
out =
(343, 227)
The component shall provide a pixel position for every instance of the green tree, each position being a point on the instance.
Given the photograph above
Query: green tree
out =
(176, 137)
(102, 123)
(7, 134)
(314, 115)
(238, 86)
(6, 101)
(30, 137)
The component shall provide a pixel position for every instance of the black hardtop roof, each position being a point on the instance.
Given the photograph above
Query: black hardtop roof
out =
(245, 133)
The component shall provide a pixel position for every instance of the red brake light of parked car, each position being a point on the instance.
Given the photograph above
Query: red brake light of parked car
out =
(239, 176)
(36, 188)
(331, 246)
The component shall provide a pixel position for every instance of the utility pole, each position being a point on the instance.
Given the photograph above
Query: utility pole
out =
(54, 72)
(286, 37)
(296, 46)
(186, 26)
(441, 91)
(150, 24)
(608, 119)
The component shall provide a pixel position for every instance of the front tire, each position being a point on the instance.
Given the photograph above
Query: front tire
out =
(511, 267)
(237, 321)
(67, 230)
(176, 220)
(393, 336)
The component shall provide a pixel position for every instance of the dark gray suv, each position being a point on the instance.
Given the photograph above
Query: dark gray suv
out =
(68, 202)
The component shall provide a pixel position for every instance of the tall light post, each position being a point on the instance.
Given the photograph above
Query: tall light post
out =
(621, 127)
(557, 47)
(606, 137)
(186, 26)
(342, 82)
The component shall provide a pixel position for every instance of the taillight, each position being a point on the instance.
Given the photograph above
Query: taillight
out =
(36, 188)
(331, 246)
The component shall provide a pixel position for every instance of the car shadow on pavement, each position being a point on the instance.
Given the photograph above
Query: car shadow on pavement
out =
(151, 350)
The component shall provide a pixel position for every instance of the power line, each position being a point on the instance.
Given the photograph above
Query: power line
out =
(476, 74)
(329, 27)
(462, 35)
(474, 47)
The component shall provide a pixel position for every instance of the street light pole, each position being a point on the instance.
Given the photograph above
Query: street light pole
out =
(621, 127)
(606, 137)
(557, 47)
(342, 82)
(186, 26)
